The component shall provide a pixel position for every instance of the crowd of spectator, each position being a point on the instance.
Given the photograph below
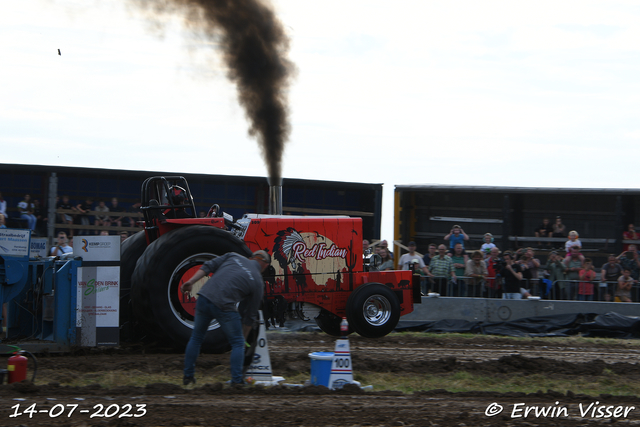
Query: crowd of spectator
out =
(112, 215)
(83, 213)
(28, 210)
(448, 269)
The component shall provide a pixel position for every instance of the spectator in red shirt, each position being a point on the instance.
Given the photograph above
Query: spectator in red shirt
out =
(587, 276)
(491, 284)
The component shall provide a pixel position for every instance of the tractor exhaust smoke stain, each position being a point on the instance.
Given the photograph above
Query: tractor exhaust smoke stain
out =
(254, 48)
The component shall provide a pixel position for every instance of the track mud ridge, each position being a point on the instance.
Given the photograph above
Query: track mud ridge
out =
(217, 404)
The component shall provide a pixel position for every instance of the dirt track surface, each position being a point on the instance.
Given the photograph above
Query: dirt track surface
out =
(218, 405)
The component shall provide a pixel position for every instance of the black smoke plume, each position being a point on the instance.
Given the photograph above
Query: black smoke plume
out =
(254, 46)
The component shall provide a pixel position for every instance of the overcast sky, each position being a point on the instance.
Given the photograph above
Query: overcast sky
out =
(519, 93)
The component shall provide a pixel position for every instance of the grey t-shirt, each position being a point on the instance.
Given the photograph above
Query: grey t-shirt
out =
(235, 278)
(612, 272)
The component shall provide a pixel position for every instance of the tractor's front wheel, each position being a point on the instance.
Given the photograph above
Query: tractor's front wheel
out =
(373, 310)
(168, 262)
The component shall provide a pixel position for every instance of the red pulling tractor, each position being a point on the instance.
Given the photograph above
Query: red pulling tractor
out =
(317, 270)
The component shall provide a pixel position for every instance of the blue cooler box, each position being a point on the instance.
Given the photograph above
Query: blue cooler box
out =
(321, 367)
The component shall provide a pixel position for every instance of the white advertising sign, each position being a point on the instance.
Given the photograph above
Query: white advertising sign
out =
(38, 247)
(98, 305)
(14, 242)
(97, 248)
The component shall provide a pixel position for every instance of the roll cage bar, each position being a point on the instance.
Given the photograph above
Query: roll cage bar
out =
(157, 205)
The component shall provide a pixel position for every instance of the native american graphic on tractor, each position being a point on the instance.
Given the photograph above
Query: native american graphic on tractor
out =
(317, 270)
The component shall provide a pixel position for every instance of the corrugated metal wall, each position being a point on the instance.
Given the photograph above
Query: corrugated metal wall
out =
(236, 195)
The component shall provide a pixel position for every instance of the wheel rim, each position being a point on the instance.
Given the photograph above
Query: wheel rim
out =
(377, 310)
(183, 307)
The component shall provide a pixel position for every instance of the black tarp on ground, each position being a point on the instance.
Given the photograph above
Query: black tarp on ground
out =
(589, 324)
(559, 325)
(447, 325)
(612, 325)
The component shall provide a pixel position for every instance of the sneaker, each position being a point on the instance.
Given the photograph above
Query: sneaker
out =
(188, 380)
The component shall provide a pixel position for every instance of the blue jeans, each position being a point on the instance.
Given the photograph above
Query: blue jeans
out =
(31, 220)
(511, 296)
(231, 325)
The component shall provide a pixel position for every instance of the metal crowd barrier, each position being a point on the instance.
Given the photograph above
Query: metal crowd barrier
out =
(463, 286)
(602, 291)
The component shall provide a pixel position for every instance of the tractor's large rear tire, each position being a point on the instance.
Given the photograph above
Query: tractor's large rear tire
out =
(130, 251)
(165, 264)
(373, 310)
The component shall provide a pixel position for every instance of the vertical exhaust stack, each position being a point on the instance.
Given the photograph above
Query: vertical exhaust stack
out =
(275, 197)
